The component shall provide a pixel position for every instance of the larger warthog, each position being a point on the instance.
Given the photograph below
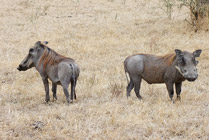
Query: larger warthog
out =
(59, 69)
(169, 69)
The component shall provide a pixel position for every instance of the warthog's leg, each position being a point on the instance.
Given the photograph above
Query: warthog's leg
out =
(65, 89)
(129, 88)
(46, 86)
(169, 86)
(66, 94)
(137, 85)
(54, 90)
(73, 85)
(74, 90)
(178, 90)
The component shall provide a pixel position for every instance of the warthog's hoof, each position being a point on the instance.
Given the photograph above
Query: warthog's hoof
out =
(172, 100)
(140, 98)
(69, 101)
(178, 98)
(47, 100)
(128, 95)
(54, 99)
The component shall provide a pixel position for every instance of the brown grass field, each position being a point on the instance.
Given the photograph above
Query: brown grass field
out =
(99, 35)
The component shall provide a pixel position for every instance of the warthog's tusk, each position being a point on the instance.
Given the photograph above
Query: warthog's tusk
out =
(179, 70)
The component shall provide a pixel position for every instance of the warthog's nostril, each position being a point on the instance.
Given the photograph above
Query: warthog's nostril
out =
(19, 68)
(192, 77)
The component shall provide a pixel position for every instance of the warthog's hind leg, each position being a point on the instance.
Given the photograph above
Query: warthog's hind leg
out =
(65, 89)
(73, 85)
(72, 89)
(137, 85)
(65, 86)
(75, 97)
(54, 90)
(129, 88)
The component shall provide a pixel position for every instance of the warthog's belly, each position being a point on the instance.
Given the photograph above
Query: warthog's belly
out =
(154, 72)
(153, 81)
(153, 78)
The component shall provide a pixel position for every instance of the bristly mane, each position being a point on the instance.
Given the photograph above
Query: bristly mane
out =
(50, 57)
(169, 58)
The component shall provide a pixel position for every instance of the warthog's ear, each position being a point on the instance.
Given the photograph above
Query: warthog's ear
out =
(45, 42)
(180, 56)
(197, 53)
(179, 53)
(38, 43)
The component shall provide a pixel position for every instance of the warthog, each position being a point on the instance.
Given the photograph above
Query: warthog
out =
(169, 69)
(59, 69)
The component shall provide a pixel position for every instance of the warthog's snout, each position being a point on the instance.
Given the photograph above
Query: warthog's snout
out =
(21, 68)
(192, 78)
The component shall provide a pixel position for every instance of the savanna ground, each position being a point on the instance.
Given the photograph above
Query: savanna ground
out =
(99, 35)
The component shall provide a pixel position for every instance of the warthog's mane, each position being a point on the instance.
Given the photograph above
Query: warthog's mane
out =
(168, 58)
(50, 57)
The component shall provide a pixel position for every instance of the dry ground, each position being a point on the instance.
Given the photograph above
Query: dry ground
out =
(99, 35)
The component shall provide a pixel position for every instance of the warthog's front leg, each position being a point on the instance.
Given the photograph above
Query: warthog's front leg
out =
(169, 86)
(54, 90)
(178, 90)
(46, 85)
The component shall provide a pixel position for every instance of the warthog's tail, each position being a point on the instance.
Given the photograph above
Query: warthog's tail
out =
(127, 77)
(73, 71)
(126, 72)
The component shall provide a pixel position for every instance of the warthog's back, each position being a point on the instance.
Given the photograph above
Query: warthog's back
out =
(69, 64)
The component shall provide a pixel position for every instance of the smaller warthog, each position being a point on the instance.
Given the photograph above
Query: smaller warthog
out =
(59, 69)
(169, 69)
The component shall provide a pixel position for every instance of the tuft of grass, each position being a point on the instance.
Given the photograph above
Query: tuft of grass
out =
(116, 89)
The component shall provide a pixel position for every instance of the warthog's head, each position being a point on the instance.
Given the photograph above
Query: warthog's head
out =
(32, 57)
(186, 64)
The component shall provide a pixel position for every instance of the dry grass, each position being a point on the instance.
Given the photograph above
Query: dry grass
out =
(99, 35)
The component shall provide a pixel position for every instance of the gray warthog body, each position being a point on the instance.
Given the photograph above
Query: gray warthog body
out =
(59, 69)
(169, 69)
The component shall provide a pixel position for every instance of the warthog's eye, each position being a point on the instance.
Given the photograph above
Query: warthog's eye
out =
(182, 61)
(196, 62)
(31, 50)
(24, 62)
